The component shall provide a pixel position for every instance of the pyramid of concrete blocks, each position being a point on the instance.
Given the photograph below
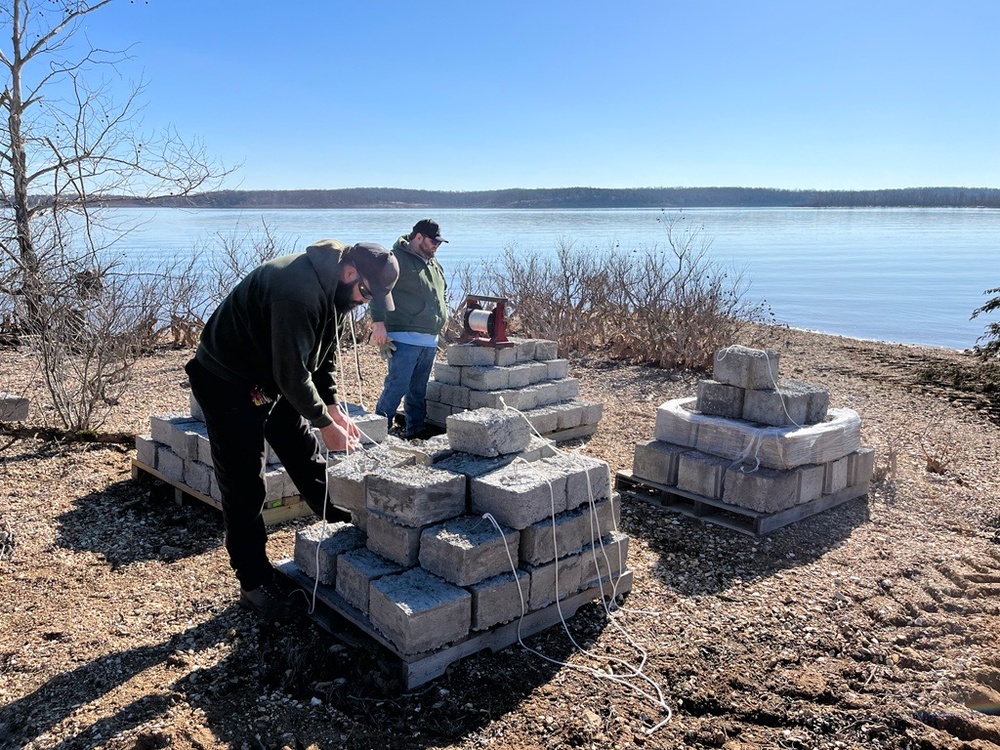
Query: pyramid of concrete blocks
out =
(428, 559)
(13, 408)
(527, 376)
(754, 440)
(177, 447)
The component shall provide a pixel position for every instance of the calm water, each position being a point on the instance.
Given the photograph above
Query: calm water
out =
(905, 275)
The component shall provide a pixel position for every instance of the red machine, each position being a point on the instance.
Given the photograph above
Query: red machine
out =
(485, 326)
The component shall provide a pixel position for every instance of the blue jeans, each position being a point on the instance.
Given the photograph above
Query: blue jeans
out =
(409, 370)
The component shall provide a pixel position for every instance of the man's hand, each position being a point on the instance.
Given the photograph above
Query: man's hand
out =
(379, 336)
(343, 434)
(385, 350)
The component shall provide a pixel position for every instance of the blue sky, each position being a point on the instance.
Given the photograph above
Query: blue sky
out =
(465, 95)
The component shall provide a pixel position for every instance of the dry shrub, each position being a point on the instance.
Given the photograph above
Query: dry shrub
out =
(670, 305)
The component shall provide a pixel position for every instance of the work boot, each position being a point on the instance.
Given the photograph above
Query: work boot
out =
(269, 601)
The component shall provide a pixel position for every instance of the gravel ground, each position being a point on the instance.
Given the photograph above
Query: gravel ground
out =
(872, 625)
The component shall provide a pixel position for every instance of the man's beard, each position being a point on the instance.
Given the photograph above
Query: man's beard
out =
(343, 298)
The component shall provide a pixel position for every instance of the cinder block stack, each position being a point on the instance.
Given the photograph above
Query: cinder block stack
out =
(434, 568)
(753, 440)
(528, 376)
(177, 447)
(13, 408)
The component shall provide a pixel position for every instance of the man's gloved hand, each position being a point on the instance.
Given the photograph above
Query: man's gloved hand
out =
(385, 350)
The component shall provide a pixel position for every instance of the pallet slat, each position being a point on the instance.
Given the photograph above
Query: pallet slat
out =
(744, 520)
(290, 508)
(418, 669)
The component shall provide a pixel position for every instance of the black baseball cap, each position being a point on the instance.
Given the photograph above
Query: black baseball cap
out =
(428, 228)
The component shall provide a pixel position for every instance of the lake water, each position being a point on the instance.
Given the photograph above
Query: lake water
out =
(904, 275)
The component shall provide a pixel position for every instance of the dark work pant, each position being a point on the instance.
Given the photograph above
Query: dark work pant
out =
(237, 429)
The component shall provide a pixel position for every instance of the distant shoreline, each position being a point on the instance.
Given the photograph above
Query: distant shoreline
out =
(579, 198)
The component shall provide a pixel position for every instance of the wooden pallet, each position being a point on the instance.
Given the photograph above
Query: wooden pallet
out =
(745, 520)
(276, 512)
(415, 670)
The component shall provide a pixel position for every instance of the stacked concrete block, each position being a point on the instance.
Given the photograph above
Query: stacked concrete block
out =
(751, 439)
(178, 447)
(528, 377)
(345, 480)
(435, 568)
(13, 408)
(317, 548)
(488, 432)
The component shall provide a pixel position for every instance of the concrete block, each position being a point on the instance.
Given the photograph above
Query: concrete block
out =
(424, 452)
(13, 408)
(520, 494)
(205, 450)
(562, 535)
(393, 540)
(555, 580)
(454, 395)
(488, 432)
(214, 490)
(505, 356)
(676, 424)
(318, 545)
(810, 481)
(355, 572)
(538, 448)
(163, 426)
(656, 461)
(169, 463)
(275, 482)
(587, 478)
(374, 427)
(548, 392)
(746, 368)
(468, 549)
(543, 419)
(433, 391)
(760, 488)
(567, 388)
(546, 350)
(793, 402)
(498, 600)
(447, 374)
(702, 473)
(592, 412)
(145, 450)
(198, 476)
(437, 413)
(416, 495)
(346, 479)
(526, 373)
(569, 415)
(470, 355)
(360, 518)
(774, 447)
(720, 399)
(196, 411)
(835, 476)
(418, 611)
(485, 378)
(474, 466)
(860, 465)
(556, 369)
(525, 349)
(604, 561)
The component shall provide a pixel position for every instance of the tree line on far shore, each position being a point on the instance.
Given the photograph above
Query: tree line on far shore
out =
(583, 197)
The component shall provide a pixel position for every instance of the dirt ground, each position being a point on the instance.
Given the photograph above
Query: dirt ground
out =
(872, 625)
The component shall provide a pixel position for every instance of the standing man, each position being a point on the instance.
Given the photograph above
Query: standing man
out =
(266, 368)
(408, 335)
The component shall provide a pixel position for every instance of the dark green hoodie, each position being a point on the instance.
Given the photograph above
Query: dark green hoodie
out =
(419, 294)
(277, 330)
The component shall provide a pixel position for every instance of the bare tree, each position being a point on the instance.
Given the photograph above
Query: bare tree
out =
(69, 151)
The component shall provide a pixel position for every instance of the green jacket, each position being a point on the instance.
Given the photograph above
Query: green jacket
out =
(419, 294)
(277, 330)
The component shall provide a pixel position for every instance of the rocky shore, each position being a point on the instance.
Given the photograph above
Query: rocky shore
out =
(872, 625)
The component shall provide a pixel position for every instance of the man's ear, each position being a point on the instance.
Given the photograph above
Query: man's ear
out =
(348, 273)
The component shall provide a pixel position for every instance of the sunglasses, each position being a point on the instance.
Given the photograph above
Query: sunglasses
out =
(434, 241)
(364, 290)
